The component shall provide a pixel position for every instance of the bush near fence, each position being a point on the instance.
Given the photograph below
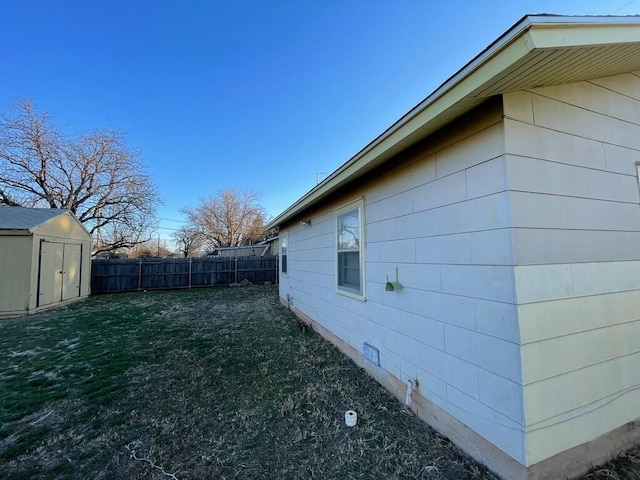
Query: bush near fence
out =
(125, 275)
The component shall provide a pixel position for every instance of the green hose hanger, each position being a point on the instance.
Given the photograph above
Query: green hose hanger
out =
(392, 286)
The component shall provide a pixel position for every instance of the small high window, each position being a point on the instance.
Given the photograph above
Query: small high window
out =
(350, 244)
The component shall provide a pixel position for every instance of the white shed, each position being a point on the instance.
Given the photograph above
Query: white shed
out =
(45, 259)
(487, 245)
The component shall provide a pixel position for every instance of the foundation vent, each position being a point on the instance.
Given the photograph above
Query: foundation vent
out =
(371, 353)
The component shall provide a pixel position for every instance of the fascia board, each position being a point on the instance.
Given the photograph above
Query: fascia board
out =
(15, 232)
(459, 87)
(580, 35)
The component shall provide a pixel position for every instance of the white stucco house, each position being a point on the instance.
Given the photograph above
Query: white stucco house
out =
(508, 203)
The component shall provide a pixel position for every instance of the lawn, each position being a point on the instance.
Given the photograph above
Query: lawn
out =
(208, 383)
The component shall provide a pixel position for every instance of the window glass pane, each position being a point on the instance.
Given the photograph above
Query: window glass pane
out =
(349, 270)
(349, 230)
(349, 250)
(283, 252)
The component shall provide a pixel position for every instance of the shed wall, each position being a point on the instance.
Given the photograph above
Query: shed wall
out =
(571, 160)
(441, 216)
(63, 228)
(15, 268)
(20, 265)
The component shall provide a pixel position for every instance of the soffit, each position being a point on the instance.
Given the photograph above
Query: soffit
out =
(556, 66)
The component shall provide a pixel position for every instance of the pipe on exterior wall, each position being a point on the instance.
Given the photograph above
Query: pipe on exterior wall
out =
(411, 384)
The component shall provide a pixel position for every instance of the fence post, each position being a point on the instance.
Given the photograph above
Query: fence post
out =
(236, 269)
(190, 259)
(140, 275)
(277, 277)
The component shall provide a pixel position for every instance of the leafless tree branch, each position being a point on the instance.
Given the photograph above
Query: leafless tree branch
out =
(230, 218)
(95, 175)
(189, 240)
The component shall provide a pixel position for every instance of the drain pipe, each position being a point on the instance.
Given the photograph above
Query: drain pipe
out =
(411, 385)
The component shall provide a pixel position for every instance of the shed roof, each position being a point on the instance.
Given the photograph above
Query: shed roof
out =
(21, 218)
(539, 50)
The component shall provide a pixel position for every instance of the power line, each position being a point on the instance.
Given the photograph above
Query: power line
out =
(172, 220)
(624, 6)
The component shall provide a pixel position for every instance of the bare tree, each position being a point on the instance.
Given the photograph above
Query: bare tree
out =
(152, 248)
(230, 218)
(95, 175)
(189, 240)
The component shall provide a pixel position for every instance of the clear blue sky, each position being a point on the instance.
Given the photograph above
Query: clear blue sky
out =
(255, 94)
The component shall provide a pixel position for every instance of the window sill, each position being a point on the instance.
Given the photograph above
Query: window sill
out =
(354, 295)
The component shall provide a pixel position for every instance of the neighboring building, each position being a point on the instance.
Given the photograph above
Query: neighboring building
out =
(257, 250)
(508, 204)
(45, 259)
(273, 244)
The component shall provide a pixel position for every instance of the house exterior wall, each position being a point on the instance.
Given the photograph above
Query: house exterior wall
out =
(516, 234)
(441, 216)
(15, 265)
(571, 162)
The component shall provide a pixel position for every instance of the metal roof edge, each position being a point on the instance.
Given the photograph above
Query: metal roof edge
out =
(539, 18)
(17, 231)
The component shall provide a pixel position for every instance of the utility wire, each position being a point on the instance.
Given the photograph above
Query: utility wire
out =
(172, 220)
(624, 6)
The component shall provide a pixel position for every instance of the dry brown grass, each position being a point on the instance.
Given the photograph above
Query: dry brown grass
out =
(216, 383)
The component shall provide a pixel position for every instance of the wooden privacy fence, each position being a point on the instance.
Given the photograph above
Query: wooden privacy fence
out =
(126, 275)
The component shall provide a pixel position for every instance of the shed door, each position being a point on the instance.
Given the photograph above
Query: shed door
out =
(59, 277)
(72, 259)
(50, 277)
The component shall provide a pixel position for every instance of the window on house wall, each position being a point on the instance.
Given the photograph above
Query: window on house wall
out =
(284, 247)
(350, 244)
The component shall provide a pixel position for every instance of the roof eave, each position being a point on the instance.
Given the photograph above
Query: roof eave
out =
(527, 35)
(16, 231)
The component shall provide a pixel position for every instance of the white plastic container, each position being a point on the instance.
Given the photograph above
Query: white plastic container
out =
(350, 418)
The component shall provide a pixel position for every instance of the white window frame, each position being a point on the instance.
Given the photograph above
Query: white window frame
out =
(284, 254)
(356, 205)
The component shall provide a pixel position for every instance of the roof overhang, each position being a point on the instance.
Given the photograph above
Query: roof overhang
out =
(539, 50)
(15, 232)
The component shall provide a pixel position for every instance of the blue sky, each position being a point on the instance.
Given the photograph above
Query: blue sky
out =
(259, 95)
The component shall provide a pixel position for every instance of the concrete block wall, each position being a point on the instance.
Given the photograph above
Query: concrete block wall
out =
(571, 154)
